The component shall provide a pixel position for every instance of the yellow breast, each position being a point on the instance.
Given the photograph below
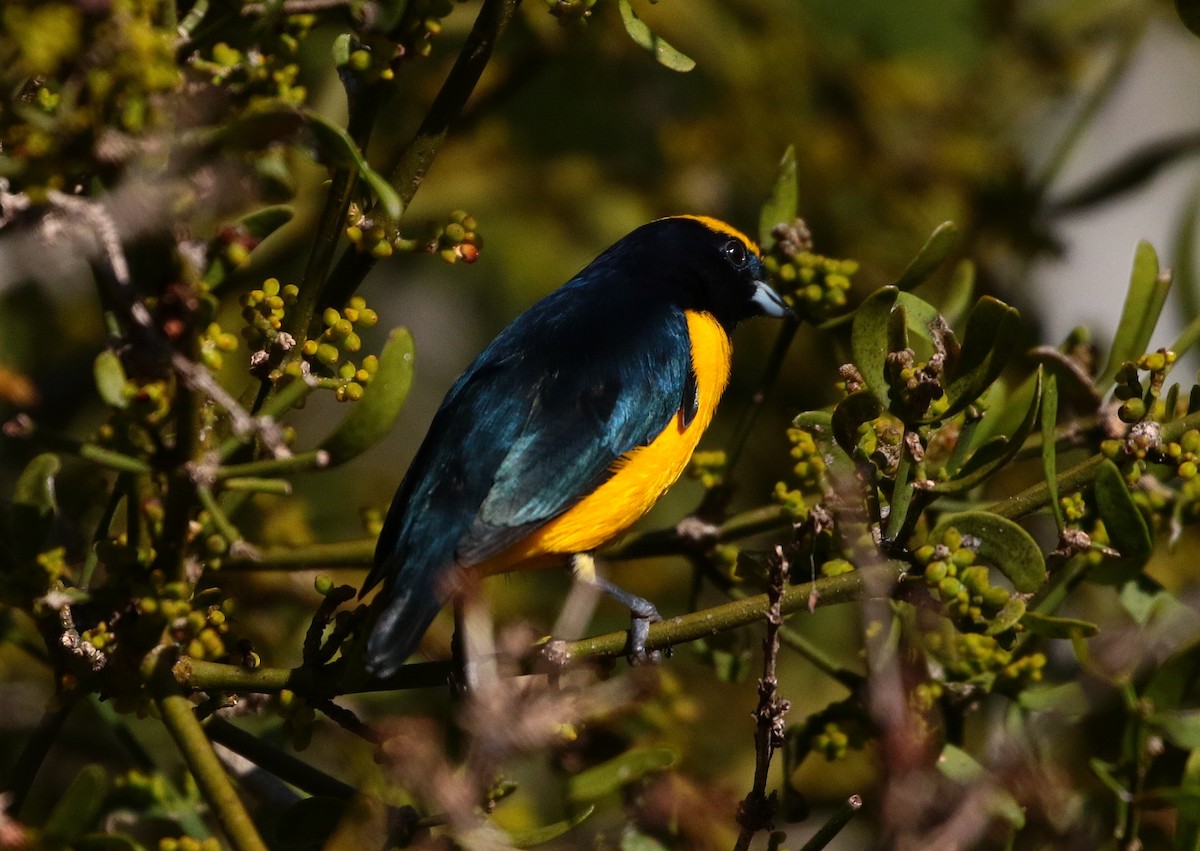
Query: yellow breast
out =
(641, 476)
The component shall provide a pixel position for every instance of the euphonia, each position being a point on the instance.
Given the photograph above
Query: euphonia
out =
(570, 424)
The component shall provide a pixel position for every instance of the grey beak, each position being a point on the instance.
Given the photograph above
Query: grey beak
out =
(769, 303)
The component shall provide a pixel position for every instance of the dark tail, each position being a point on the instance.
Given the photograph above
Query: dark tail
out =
(403, 618)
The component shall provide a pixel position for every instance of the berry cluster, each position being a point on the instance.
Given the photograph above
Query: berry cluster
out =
(261, 75)
(809, 470)
(813, 284)
(1140, 400)
(264, 308)
(340, 338)
(973, 657)
(454, 241)
(962, 586)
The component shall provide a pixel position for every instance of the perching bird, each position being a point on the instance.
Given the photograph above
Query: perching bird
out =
(570, 425)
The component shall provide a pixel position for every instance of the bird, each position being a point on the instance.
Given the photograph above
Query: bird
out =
(568, 426)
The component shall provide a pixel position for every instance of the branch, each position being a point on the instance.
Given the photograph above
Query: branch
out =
(757, 811)
(420, 153)
(202, 761)
(855, 585)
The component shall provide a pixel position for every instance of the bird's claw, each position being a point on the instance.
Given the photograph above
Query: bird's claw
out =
(639, 631)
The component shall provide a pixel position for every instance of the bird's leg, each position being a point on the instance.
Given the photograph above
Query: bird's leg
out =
(642, 612)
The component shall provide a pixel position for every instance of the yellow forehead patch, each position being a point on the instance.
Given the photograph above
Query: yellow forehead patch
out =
(729, 230)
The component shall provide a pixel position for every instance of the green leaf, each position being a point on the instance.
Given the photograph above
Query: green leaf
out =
(1007, 617)
(1189, 13)
(663, 53)
(995, 453)
(1049, 626)
(993, 333)
(618, 772)
(869, 338)
(932, 254)
(1181, 727)
(262, 223)
(962, 291)
(35, 486)
(1049, 455)
(1127, 531)
(1067, 698)
(1175, 679)
(1143, 304)
(373, 416)
(1001, 543)
(78, 808)
(338, 149)
(537, 835)
(1187, 826)
(784, 204)
(110, 379)
(341, 50)
(1133, 171)
(1187, 277)
(857, 408)
(959, 766)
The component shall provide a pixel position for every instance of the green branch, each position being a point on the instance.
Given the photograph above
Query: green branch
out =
(180, 720)
(421, 151)
(858, 584)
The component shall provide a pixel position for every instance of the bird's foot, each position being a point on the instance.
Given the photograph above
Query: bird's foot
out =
(642, 613)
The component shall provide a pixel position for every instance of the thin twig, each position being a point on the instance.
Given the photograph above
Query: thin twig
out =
(757, 811)
(833, 827)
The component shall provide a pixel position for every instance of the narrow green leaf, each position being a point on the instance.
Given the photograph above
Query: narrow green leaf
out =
(373, 416)
(341, 50)
(869, 337)
(932, 254)
(784, 204)
(1181, 727)
(1127, 531)
(1049, 626)
(77, 809)
(962, 291)
(997, 452)
(537, 835)
(1049, 453)
(337, 149)
(618, 772)
(110, 379)
(1173, 679)
(959, 766)
(1187, 276)
(663, 53)
(993, 333)
(1002, 543)
(1139, 316)
(1135, 170)
(1067, 698)
(264, 222)
(1187, 826)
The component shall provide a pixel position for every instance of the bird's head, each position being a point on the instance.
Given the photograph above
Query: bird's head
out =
(703, 264)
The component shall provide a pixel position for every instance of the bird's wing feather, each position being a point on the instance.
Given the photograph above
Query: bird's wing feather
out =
(533, 426)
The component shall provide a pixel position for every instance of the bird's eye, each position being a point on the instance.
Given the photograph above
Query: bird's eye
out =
(735, 252)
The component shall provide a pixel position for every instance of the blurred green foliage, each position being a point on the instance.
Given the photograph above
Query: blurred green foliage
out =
(209, 220)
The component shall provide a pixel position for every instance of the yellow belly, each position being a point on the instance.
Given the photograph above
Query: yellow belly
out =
(641, 476)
